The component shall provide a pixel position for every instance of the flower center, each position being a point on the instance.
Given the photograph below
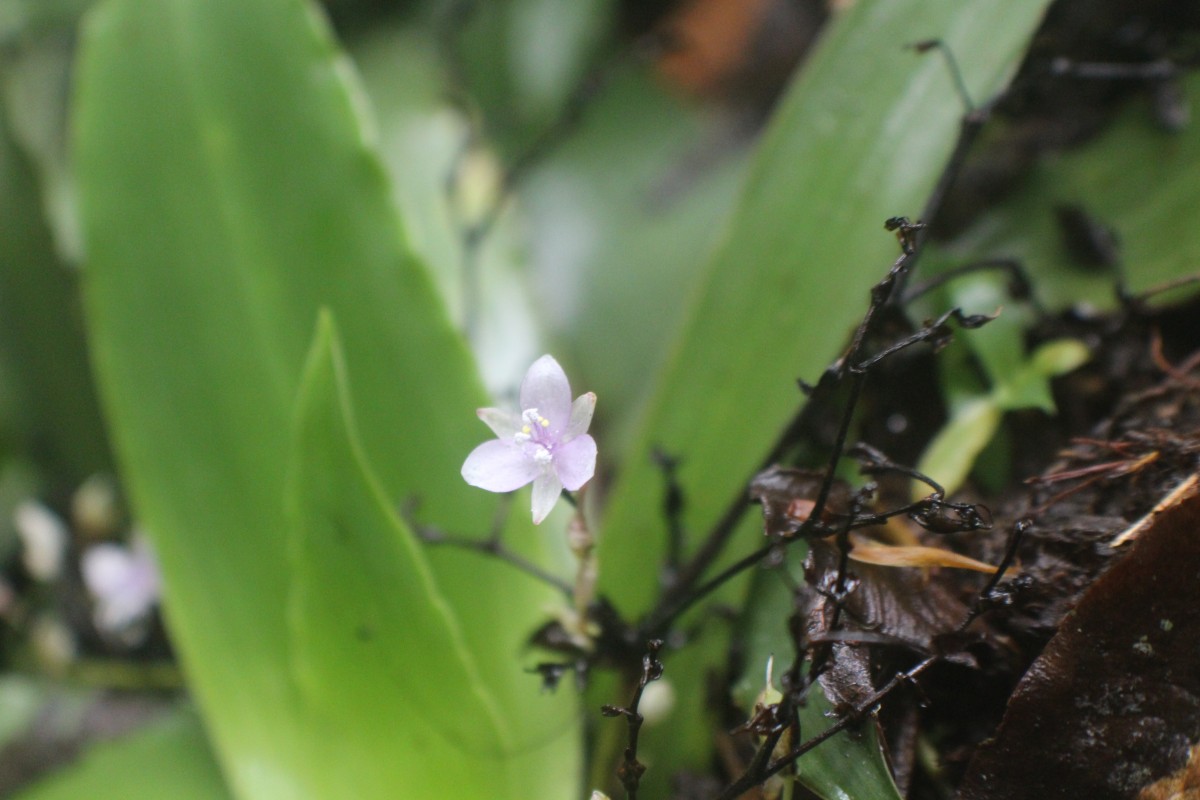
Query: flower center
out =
(535, 428)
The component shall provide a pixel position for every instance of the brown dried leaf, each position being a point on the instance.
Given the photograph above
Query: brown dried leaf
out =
(1113, 703)
(884, 555)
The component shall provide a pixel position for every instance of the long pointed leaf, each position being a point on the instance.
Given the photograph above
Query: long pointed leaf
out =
(229, 189)
(862, 135)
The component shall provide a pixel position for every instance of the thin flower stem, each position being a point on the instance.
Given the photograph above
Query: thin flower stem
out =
(492, 546)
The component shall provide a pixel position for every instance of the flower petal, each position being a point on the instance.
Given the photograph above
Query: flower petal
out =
(546, 490)
(581, 415)
(106, 569)
(575, 461)
(504, 424)
(499, 466)
(546, 388)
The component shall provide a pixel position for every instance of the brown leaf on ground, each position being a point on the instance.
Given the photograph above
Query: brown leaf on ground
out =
(1113, 703)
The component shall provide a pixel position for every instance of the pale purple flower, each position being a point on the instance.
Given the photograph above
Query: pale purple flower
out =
(546, 444)
(125, 583)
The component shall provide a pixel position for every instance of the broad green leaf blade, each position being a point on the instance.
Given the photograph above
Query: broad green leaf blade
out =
(379, 654)
(850, 764)
(862, 135)
(169, 758)
(228, 190)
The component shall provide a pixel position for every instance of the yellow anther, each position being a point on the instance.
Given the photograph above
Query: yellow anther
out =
(545, 422)
(526, 430)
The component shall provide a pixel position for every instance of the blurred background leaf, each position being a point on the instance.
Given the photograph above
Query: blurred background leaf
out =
(52, 414)
(167, 758)
(1135, 179)
(519, 60)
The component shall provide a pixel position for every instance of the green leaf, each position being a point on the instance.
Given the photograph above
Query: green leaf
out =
(861, 135)
(1029, 385)
(229, 189)
(1058, 357)
(19, 18)
(1017, 380)
(379, 654)
(168, 758)
(975, 418)
(34, 86)
(56, 416)
(850, 765)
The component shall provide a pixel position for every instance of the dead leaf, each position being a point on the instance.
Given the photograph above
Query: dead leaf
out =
(885, 555)
(1113, 703)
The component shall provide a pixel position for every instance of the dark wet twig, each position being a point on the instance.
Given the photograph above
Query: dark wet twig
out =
(1019, 285)
(1015, 537)
(937, 333)
(685, 593)
(853, 717)
(1135, 302)
(673, 503)
(855, 368)
(960, 85)
(862, 499)
(631, 770)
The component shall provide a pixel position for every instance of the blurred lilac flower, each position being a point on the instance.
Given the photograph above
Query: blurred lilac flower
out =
(546, 444)
(125, 583)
